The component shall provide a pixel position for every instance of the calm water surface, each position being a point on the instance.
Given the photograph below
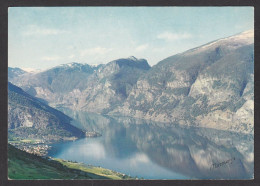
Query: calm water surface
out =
(158, 151)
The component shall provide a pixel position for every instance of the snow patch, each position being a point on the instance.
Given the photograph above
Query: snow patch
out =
(31, 70)
(73, 64)
(232, 42)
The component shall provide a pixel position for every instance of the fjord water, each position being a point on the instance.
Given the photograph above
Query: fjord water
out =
(152, 150)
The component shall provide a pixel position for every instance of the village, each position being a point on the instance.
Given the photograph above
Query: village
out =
(37, 148)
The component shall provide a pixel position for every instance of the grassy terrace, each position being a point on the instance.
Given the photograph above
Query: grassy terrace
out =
(22, 165)
(95, 171)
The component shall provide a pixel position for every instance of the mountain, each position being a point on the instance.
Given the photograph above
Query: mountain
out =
(15, 73)
(30, 118)
(209, 86)
(60, 79)
(84, 87)
(111, 84)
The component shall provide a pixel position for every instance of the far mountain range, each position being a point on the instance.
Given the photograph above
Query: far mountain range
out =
(208, 86)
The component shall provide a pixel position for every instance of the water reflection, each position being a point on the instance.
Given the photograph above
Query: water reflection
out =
(161, 151)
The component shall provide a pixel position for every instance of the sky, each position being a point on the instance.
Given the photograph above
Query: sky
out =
(44, 37)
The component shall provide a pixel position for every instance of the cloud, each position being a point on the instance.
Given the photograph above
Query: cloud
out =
(36, 30)
(141, 47)
(51, 58)
(95, 51)
(169, 36)
(71, 56)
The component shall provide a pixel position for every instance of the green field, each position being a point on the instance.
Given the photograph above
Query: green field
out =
(94, 170)
(22, 165)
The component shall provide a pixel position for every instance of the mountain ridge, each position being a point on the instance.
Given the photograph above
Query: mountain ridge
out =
(203, 86)
(211, 88)
(71, 84)
(30, 118)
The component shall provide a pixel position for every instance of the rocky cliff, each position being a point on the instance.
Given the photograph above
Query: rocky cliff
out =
(83, 87)
(210, 86)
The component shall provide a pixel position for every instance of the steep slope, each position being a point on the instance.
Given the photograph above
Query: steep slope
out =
(22, 165)
(111, 84)
(30, 118)
(211, 86)
(84, 87)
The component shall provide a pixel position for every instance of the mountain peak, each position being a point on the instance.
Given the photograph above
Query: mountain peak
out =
(231, 43)
(132, 62)
(247, 36)
(72, 64)
(31, 70)
(133, 58)
(243, 38)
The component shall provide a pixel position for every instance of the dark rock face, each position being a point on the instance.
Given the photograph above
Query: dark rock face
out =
(30, 118)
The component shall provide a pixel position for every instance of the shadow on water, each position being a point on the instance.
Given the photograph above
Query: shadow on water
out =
(198, 153)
